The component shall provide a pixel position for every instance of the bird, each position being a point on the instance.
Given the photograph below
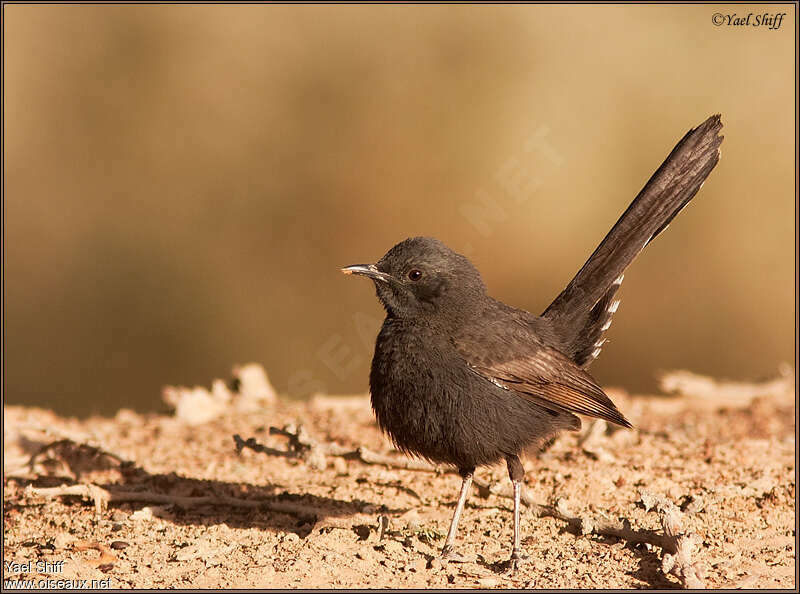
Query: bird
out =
(462, 379)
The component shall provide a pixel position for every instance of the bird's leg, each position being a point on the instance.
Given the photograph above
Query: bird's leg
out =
(447, 551)
(516, 472)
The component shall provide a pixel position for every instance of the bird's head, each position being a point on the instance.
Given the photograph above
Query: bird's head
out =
(423, 278)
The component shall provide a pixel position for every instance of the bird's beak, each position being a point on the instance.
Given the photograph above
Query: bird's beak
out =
(369, 270)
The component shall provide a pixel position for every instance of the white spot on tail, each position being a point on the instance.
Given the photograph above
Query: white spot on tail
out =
(498, 384)
(614, 305)
(618, 280)
(595, 353)
(606, 326)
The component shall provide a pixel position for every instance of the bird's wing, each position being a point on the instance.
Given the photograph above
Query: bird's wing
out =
(513, 358)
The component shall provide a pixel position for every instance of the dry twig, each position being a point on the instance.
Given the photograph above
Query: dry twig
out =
(678, 548)
(102, 497)
(106, 559)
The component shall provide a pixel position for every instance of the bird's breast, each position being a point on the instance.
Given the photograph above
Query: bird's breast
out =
(423, 395)
(409, 387)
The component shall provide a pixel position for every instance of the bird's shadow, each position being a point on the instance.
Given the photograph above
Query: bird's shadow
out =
(274, 508)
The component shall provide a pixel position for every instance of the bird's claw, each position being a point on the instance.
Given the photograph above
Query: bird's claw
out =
(450, 554)
(514, 563)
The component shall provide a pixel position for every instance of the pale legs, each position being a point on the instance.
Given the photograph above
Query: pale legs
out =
(516, 473)
(466, 482)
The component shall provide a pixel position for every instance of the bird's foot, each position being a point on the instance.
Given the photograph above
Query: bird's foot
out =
(450, 554)
(514, 563)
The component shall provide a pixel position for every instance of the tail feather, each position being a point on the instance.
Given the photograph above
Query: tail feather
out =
(583, 310)
(596, 324)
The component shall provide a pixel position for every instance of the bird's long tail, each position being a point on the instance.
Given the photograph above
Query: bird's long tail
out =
(583, 310)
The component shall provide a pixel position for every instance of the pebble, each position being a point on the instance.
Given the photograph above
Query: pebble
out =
(362, 531)
(487, 582)
(392, 547)
(62, 540)
(367, 554)
(316, 459)
(340, 466)
(419, 565)
(119, 516)
(411, 518)
(436, 564)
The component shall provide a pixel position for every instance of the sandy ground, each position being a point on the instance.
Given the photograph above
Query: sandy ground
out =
(212, 517)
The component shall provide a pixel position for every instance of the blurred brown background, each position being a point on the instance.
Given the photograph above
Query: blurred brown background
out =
(182, 184)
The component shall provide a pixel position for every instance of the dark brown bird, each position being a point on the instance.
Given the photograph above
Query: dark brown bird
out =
(463, 379)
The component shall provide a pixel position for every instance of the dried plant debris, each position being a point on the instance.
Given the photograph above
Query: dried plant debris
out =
(716, 392)
(696, 496)
(249, 391)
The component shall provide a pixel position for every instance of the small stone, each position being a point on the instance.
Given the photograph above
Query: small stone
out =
(62, 540)
(119, 545)
(291, 537)
(144, 514)
(362, 531)
(436, 564)
(383, 525)
(487, 582)
(340, 466)
(366, 554)
(119, 516)
(316, 459)
(411, 519)
(393, 548)
(693, 505)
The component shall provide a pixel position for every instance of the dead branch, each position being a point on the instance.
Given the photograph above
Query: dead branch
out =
(102, 497)
(678, 548)
(680, 562)
(303, 446)
(603, 526)
(252, 444)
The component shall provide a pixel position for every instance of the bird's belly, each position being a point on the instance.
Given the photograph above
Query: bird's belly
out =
(434, 407)
(422, 415)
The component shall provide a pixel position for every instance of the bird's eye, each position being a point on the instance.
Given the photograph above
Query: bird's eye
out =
(415, 274)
